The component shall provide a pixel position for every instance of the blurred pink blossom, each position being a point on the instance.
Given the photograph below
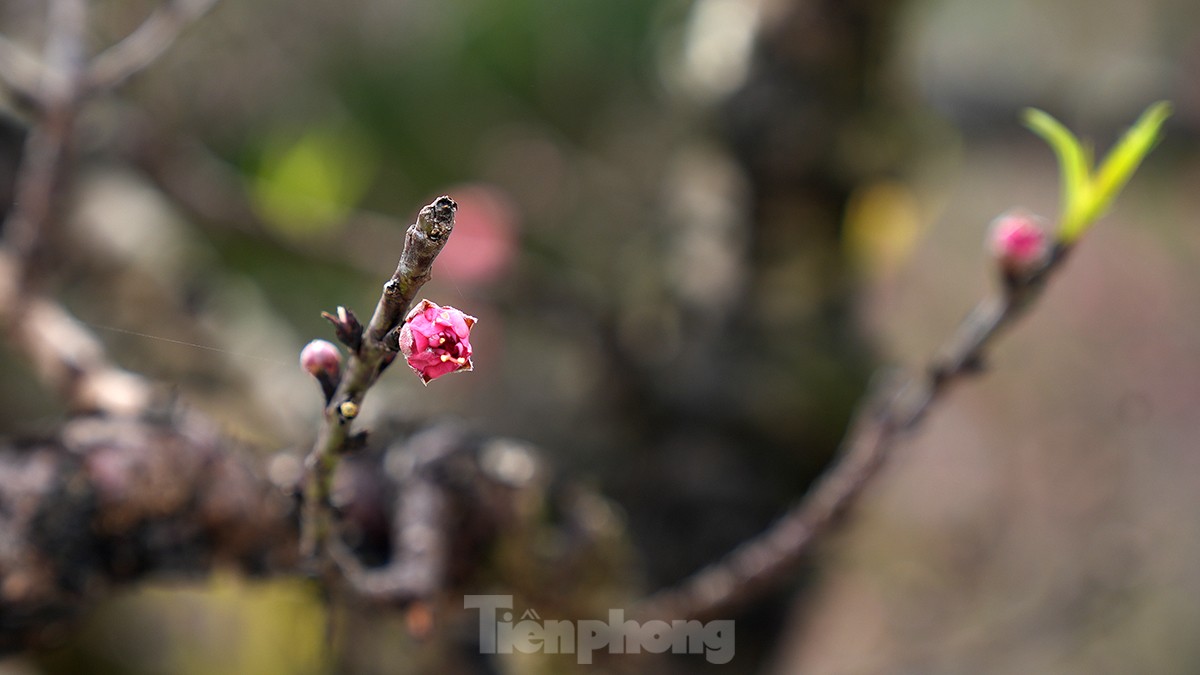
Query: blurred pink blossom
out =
(484, 241)
(1019, 242)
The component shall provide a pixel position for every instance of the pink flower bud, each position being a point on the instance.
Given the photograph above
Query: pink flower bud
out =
(1019, 242)
(435, 340)
(321, 358)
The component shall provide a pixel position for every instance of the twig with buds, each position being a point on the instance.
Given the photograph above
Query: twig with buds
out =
(888, 414)
(372, 348)
(1026, 257)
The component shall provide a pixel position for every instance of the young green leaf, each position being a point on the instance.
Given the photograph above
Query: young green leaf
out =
(1073, 164)
(1086, 192)
(1125, 157)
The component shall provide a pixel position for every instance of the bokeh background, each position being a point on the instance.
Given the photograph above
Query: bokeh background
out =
(691, 231)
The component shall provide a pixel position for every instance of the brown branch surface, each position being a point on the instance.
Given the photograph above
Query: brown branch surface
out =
(768, 559)
(422, 243)
(441, 477)
(108, 502)
(111, 500)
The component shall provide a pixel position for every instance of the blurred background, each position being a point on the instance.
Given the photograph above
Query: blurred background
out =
(690, 231)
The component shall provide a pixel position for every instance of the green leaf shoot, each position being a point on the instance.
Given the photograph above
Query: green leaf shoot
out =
(1088, 192)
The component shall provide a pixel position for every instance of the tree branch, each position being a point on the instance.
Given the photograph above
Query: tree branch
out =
(369, 356)
(65, 354)
(69, 359)
(46, 147)
(110, 500)
(20, 73)
(144, 45)
(889, 413)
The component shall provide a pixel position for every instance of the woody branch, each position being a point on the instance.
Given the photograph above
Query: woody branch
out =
(371, 350)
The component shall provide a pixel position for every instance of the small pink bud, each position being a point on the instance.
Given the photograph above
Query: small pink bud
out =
(1019, 242)
(321, 358)
(435, 340)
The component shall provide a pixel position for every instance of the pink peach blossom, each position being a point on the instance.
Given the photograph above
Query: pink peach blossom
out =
(435, 340)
